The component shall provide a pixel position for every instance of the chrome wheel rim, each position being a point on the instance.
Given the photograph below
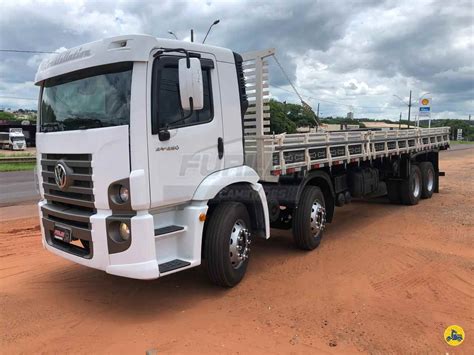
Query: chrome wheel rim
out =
(430, 182)
(239, 244)
(416, 185)
(318, 218)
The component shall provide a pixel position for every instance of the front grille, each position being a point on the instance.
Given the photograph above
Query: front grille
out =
(80, 191)
(71, 207)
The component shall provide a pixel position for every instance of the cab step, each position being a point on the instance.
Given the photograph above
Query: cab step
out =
(173, 265)
(168, 229)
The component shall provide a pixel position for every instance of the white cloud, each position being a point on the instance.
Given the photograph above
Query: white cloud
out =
(353, 56)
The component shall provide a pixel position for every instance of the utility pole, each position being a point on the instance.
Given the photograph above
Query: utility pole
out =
(409, 109)
(173, 34)
(317, 117)
(400, 122)
(209, 30)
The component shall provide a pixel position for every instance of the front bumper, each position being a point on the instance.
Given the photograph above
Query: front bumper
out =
(138, 261)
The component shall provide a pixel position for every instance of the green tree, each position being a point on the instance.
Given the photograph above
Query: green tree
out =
(7, 116)
(299, 115)
(466, 126)
(279, 122)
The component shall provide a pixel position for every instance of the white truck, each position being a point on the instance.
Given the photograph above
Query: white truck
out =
(156, 155)
(14, 139)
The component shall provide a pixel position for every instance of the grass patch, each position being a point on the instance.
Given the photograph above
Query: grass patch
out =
(461, 142)
(17, 155)
(17, 166)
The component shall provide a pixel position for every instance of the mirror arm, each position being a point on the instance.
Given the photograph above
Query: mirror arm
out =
(188, 63)
(191, 106)
(164, 133)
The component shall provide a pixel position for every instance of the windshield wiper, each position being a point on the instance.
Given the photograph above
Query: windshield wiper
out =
(83, 123)
(72, 123)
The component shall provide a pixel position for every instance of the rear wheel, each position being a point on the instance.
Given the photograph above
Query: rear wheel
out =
(410, 189)
(428, 179)
(227, 244)
(309, 218)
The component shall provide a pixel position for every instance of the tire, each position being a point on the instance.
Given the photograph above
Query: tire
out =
(410, 189)
(310, 213)
(428, 179)
(228, 221)
(393, 191)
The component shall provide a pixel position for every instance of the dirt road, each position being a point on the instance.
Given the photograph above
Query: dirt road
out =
(385, 279)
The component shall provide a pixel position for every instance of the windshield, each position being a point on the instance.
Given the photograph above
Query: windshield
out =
(90, 98)
(16, 139)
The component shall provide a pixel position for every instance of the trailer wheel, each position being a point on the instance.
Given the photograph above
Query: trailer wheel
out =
(428, 179)
(309, 219)
(227, 244)
(393, 191)
(410, 189)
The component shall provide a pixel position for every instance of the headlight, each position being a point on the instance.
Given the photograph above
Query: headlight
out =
(124, 194)
(124, 231)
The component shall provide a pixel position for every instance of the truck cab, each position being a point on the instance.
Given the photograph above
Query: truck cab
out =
(127, 172)
(14, 139)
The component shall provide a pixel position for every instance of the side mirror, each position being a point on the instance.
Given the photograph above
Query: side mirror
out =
(190, 84)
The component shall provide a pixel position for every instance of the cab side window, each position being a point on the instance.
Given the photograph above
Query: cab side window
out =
(166, 102)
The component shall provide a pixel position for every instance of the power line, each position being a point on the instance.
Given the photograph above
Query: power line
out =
(17, 98)
(330, 102)
(24, 51)
(287, 77)
(310, 97)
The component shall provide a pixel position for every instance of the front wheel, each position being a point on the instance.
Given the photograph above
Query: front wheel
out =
(227, 244)
(310, 219)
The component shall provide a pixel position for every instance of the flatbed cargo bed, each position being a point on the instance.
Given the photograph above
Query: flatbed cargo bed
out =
(272, 155)
(289, 153)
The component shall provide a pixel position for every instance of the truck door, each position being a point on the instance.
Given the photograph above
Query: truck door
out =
(194, 150)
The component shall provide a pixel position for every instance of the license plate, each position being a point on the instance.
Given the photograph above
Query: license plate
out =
(62, 233)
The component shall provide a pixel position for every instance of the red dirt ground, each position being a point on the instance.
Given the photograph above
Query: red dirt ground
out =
(386, 279)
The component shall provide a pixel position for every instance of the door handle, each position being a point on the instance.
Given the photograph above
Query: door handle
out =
(220, 147)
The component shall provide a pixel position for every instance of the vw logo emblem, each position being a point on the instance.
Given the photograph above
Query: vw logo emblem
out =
(60, 176)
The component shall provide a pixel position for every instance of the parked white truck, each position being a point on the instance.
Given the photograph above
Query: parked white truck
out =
(14, 139)
(155, 155)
